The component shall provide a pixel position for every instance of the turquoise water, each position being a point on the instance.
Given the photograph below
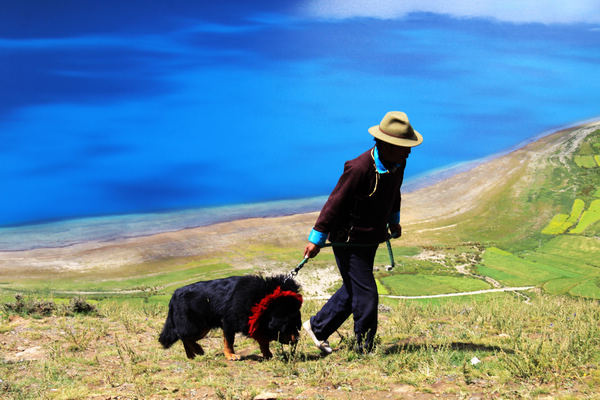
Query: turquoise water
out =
(205, 108)
(114, 227)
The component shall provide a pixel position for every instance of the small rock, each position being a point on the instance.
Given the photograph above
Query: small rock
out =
(404, 389)
(266, 396)
(383, 308)
(31, 354)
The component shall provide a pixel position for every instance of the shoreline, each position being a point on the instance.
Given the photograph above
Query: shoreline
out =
(432, 210)
(113, 228)
(435, 176)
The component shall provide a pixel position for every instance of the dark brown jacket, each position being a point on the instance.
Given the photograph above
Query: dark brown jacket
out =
(362, 203)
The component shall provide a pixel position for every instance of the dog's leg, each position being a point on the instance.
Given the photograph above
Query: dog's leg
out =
(190, 347)
(264, 348)
(198, 349)
(228, 338)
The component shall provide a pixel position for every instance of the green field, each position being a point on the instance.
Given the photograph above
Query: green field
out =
(589, 217)
(585, 161)
(563, 265)
(512, 270)
(561, 222)
(416, 285)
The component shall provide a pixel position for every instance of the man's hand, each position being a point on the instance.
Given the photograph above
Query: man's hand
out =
(311, 250)
(395, 230)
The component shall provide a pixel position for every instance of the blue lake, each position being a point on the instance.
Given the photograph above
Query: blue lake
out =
(205, 112)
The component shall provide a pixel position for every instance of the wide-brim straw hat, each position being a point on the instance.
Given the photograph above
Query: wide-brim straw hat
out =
(395, 128)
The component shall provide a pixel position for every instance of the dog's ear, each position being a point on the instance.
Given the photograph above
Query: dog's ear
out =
(290, 284)
(285, 282)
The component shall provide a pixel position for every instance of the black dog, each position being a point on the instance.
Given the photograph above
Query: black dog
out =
(264, 309)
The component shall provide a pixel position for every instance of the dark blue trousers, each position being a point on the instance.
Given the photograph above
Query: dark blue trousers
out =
(357, 296)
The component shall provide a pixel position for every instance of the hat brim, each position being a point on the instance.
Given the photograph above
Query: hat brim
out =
(376, 132)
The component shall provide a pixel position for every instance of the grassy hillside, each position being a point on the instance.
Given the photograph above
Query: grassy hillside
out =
(539, 226)
(564, 256)
(547, 346)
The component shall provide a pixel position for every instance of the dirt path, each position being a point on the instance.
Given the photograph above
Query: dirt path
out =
(433, 296)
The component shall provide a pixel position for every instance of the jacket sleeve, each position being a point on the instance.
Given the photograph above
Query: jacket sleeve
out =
(338, 205)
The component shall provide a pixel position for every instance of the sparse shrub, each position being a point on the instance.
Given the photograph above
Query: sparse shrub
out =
(46, 308)
(79, 305)
(30, 307)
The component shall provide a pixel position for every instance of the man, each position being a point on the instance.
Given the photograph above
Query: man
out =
(356, 217)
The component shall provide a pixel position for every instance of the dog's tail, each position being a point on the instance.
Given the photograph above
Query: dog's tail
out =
(168, 336)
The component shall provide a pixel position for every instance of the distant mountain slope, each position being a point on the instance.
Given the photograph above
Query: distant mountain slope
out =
(536, 212)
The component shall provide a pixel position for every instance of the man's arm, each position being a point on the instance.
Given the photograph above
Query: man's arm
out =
(336, 207)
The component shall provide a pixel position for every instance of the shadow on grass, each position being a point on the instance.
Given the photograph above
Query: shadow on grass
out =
(459, 346)
(301, 357)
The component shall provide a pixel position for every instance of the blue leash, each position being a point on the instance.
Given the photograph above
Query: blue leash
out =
(302, 263)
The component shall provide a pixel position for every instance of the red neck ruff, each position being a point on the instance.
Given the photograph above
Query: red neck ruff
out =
(259, 308)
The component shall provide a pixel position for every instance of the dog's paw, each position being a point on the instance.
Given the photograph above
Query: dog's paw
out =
(233, 357)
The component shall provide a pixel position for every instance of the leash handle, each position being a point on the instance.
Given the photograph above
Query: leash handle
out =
(391, 253)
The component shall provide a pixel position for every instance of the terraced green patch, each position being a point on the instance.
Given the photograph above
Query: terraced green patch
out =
(421, 284)
(581, 287)
(585, 161)
(576, 210)
(561, 222)
(512, 270)
(589, 217)
(588, 288)
(578, 249)
(597, 159)
(557, 225)
(565, 264)
(561, 286)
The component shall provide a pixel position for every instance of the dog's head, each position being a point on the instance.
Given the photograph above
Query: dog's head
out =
(282, 321)
(277, 315)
